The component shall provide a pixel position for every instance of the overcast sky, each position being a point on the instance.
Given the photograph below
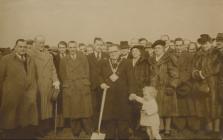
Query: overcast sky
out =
(113, 20)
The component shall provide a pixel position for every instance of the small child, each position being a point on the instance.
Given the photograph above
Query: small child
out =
(149, 113)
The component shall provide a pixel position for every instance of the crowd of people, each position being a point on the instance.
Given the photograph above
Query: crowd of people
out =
(151, 87)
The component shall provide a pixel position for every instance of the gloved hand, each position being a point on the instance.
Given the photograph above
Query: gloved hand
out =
(132, 97)
(55, 94)
(104, 86)
(56, 85)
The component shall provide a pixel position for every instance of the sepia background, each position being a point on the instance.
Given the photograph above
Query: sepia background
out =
(113, 20)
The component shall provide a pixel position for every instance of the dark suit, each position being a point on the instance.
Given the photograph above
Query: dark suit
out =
(96, 91)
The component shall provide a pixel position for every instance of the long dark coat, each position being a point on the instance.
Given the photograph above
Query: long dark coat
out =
(165, 75)
(96, 91)
(220, 81)
(141, 72)
(117, 104)
(61, 72)
(186, 103)
(18, 90)
(94, 66)
(209, 64)
(77, 102)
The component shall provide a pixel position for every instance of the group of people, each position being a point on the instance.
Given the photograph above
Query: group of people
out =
(152, 87)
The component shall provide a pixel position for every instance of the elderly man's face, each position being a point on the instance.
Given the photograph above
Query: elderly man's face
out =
(192, 48)
(62, 48)
(219, 45)
(206, 46)
(89, 50)
(150, 51)
(159, 50)
(72, 47)
(98, 45)
(143, 42)
(20, 48)
(136, 53)
(39, 42)
(125, 51)
(180, 46)
(82, 48)
(114, 55)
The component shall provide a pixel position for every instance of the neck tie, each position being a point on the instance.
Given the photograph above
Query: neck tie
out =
(24, 62)
(98, 56)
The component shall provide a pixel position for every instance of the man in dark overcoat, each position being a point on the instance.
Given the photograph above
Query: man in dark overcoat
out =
(117, 76)
(18, 92)
(186, 104)
(94, 60)
(219, 45)
(61, 72)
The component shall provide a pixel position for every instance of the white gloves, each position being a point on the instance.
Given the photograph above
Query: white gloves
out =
(56, 85)
(132, 97)
(104, 86)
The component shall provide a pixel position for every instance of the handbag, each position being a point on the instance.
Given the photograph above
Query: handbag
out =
(201, 88)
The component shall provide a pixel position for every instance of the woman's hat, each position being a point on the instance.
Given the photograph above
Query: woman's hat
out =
(204, 38)
(159, 42)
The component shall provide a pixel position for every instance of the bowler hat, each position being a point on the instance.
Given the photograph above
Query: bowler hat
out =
(124, 45)
(219, 37)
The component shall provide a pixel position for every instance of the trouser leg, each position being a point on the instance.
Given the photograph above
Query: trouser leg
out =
(180, 123)
(96, 102)
(86, 124)
(76, 126)
(123, 127)
(44, 127)
(110, 129)
(194, 123)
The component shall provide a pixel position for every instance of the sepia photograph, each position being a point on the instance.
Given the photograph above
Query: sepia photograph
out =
(111, 69)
